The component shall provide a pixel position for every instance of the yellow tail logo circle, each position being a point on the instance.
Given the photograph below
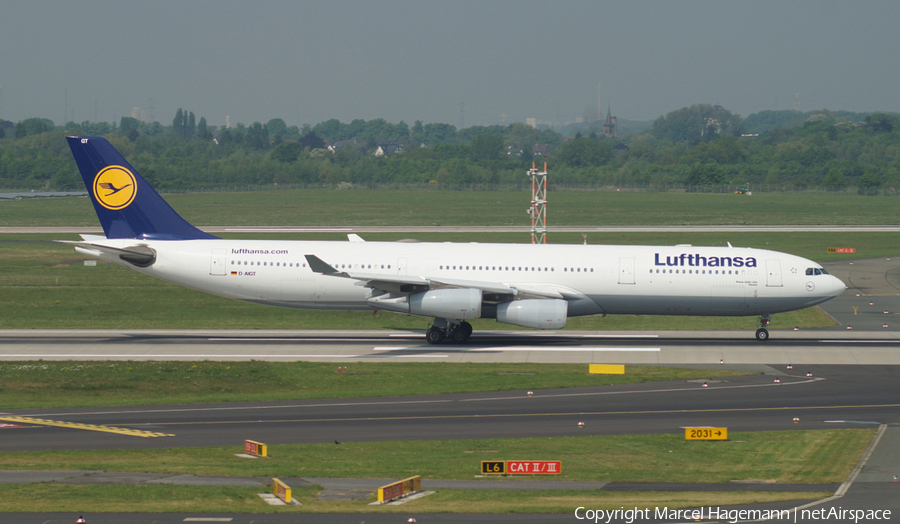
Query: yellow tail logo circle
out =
(115, 187)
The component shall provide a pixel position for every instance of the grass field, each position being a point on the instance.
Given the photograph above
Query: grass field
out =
(64, 384)
(373, 207)
(87, 499)
(820, 456)
(824, 456)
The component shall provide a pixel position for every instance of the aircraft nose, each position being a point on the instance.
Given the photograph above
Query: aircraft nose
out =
(837, 286)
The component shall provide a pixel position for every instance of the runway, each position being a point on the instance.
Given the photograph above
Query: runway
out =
(658, 348)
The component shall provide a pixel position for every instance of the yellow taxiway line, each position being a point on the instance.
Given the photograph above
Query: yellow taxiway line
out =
(88, 427)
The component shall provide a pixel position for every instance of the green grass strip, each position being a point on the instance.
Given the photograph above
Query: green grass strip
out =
(88, 499)
(812, 456)
(35, 384)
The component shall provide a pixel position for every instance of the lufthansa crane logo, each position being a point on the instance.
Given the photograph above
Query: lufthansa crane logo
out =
(115, 187)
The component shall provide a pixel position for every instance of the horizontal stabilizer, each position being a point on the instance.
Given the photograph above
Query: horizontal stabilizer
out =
(140, 256)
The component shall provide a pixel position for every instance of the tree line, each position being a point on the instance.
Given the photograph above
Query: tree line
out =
(699, 148)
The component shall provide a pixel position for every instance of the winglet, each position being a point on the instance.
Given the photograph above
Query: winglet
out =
(125, 203)
(320, 266)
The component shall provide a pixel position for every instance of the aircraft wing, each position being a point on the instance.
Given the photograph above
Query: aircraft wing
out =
(414, 284)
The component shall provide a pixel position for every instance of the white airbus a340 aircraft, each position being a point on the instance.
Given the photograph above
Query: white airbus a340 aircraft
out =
(530, 285)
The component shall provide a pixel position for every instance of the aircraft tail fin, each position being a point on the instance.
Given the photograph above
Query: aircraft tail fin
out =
(125, 203)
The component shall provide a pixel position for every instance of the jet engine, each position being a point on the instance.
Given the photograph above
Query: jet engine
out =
(534, 313)
(457, 304)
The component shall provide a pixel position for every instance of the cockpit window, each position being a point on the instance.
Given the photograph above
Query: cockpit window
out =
(816, 271)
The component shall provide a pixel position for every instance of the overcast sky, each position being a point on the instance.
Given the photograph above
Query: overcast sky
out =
(453, 61)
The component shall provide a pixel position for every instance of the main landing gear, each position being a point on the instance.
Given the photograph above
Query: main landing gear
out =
(443, 329)
(762, 334)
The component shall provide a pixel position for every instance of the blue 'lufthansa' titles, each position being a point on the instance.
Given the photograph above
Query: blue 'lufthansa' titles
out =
(685, 259)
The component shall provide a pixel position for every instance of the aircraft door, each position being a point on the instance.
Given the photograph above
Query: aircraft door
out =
(401, 266)
(217, 263)
(626, 270)
(773, 273)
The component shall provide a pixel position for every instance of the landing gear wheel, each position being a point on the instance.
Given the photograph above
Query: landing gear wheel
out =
(459, 335)
(434, 335)
(762, 334)
(466, 328)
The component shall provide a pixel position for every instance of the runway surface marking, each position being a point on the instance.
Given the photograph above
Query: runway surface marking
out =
(254, 408)
(511, 348)
(89, 427)
(295, 339)
(286, 230)
(542, 335)
(848, 341)
(527, 415)
(132, 356)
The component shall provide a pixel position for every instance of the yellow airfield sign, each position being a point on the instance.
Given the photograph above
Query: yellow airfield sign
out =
(706, 433)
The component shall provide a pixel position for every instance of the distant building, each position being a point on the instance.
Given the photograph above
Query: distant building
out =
(610, 127)
(541, 150)
(352, 144)
(390, 148)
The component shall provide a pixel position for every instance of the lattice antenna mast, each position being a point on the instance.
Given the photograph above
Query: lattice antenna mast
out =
(538, 209)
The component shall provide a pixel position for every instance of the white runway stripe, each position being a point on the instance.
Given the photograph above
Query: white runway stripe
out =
(168, 356)
(511, 348)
